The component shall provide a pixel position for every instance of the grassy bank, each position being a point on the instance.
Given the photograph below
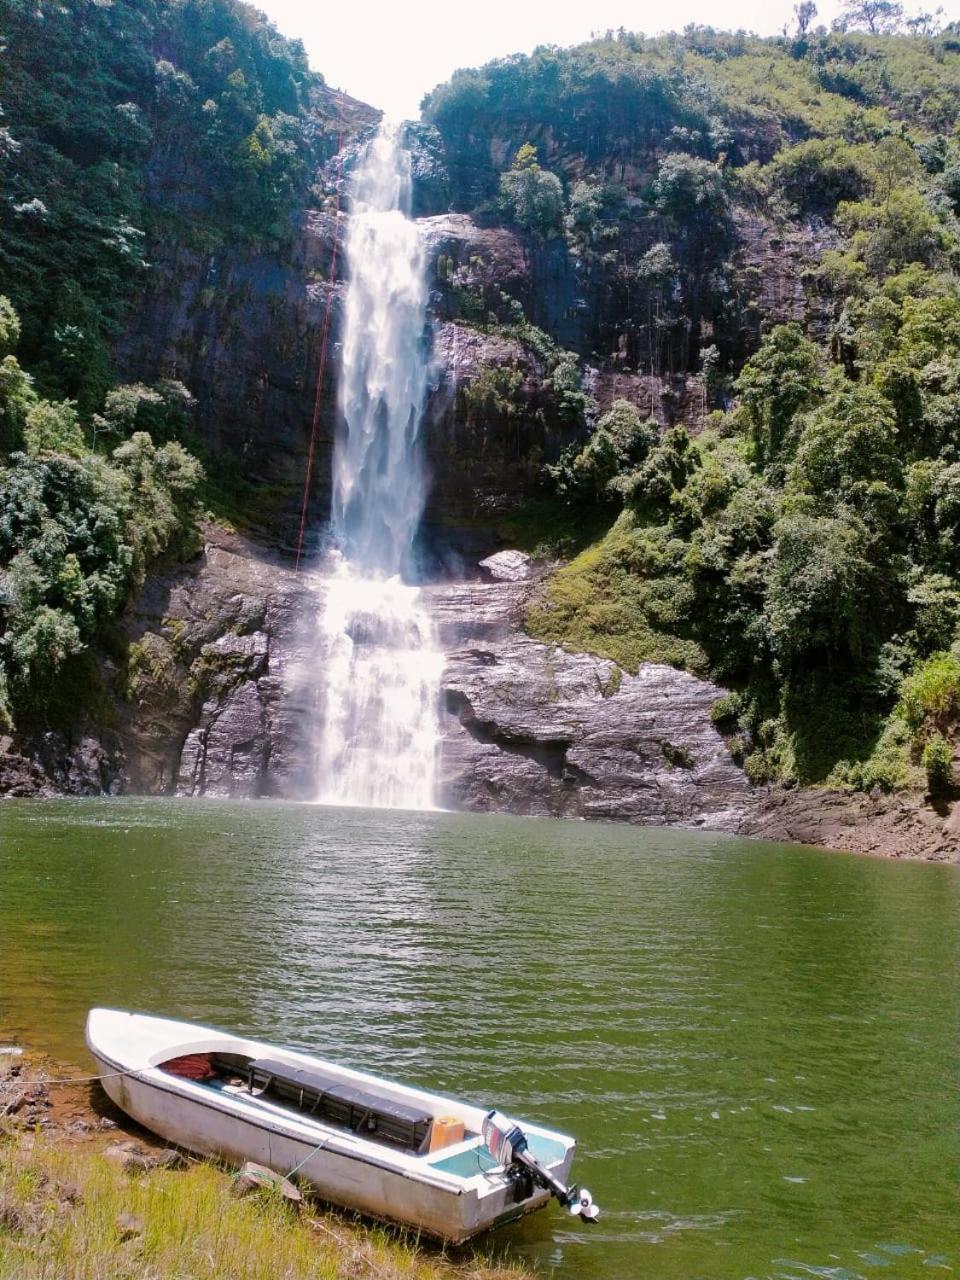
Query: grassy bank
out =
(83, 1199)
(616, 600)
(69, 1211)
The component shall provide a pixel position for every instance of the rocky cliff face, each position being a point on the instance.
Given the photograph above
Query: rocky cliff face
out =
(220, 693)
(242, 328)
(532, 729)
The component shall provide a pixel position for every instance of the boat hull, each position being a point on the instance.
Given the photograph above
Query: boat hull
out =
(445, 1208)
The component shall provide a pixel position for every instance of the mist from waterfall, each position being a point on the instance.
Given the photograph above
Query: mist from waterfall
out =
(379, 732)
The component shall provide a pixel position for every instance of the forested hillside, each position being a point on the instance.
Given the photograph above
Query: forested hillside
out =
(129, 129)
(796, 536)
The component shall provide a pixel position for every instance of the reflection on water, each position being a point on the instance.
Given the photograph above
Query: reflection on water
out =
(755, 1045)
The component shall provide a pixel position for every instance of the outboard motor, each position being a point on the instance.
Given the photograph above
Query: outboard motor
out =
(507, 1143)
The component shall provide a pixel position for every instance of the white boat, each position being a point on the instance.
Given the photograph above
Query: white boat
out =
(443, 1167)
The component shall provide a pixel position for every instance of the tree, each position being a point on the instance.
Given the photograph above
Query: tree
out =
(585, 203)
(880, 17)
(823, 594)
(849, 454)
(804, 12)
(691, 192)
(161, 410)
(53, 428)
(894, 161)
(533, 196)
(9, 327)
(783, 378)
(926, 24)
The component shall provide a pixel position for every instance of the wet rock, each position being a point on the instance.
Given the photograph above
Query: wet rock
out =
(508, 566)
(489, 462)
(210, 718)
(532, 729)
(51, 764)
(242, 327)
(431, 181)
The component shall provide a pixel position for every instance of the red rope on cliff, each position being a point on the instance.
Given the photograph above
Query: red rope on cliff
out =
(324, 338)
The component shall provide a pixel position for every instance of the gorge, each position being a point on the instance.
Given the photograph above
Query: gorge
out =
(650, 571)
(449, 570)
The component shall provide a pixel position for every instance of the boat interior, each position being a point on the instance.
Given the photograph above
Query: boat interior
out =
(314, 1094)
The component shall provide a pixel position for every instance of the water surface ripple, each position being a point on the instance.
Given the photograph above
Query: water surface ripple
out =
(756, 1045)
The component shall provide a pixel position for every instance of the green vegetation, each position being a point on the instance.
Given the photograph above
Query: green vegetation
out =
(533, 196)
(126, 129)
(126, 123)
(78, 526)
(801, 543)
(670, 142)
(805, 547)
(66, 1211)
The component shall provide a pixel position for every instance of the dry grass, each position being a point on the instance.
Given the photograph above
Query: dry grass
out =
(69, 1213)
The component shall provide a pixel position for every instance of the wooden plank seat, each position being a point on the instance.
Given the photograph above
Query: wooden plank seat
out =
(369, 1114)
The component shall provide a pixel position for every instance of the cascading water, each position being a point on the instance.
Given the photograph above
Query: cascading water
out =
(380, 724)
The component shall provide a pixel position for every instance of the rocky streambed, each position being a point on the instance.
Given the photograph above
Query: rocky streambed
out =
(221, 691)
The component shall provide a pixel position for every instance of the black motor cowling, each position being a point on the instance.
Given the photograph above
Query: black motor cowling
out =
(508, 1145)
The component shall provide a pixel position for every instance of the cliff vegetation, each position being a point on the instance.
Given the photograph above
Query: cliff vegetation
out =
(795, 535)
(127, 130)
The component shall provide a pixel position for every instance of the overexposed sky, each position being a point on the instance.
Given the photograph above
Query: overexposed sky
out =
(389, 53)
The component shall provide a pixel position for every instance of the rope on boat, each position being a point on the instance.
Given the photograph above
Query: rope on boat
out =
(30, 1084)
(309, 1156)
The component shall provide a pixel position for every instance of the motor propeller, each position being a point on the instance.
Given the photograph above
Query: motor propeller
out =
(583, 1207)
(507, 1143)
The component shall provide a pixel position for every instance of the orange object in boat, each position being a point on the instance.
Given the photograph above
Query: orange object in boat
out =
(445, 1131)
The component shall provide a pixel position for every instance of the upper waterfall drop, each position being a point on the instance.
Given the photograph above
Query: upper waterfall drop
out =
(378, 480)
(379, 731)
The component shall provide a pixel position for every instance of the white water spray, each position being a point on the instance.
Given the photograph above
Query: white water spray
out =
(380, 727)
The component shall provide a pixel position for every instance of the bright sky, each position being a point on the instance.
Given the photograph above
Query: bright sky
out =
(389, 53)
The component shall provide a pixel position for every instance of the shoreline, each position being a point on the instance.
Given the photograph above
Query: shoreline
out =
(900, 825)
(85, 1193)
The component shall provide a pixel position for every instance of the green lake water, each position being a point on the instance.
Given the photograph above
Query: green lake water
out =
(757, 1046)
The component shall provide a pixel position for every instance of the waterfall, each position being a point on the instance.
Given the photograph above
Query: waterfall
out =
(380, 723)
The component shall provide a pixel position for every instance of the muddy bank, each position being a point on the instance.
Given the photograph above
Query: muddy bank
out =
(902, 825)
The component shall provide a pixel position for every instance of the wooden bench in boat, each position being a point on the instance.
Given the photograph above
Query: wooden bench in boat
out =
(369, 1114)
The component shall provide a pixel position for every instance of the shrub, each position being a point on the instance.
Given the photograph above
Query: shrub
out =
(887, 767)
(937, 761)
(726, 711)
(621, 439)
(930, 695)
(759, 767)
